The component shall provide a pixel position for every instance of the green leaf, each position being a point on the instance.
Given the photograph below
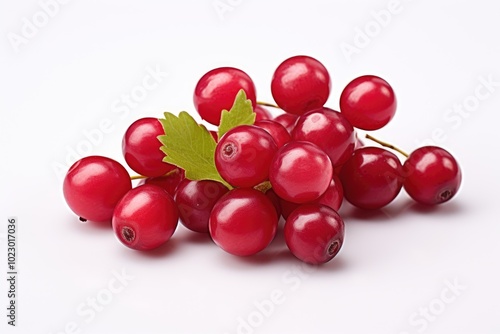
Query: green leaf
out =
(189, 146)
(241, 113)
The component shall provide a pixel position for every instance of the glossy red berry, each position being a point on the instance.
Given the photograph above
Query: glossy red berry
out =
(329, 130)
(300, 172)
(243, 222)
(195, 200)
(433, 176)
(243, 155)
(141, 148)
(93, 186)
(287, 120)
(168, 182)
(371, 178)
(217, 89)
(368, 102)
(145, 218)
(332, 197)
(261, 113)
(300, 84)
(276, 130)
(314, 233)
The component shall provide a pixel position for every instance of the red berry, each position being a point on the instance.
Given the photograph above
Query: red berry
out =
(195, 200)
(261, 113)
(276, 130)
(314, 233)
(332, 197)
(300, 84)
(217, 89)
(329, 130)
(368, 102)
(93, 186)
(300, 172)
(168, 182)
(288, 121)
(145, 218)
(243, 155)
(141, 148)
(243, 222)
(433, 176)
(371, 178)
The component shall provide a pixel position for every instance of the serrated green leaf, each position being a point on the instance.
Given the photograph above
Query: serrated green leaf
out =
(189, 146)
(241, 113)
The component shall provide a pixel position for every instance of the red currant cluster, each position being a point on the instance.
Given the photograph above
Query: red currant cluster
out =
(236, 183)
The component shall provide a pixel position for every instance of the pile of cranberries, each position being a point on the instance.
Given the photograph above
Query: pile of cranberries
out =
(300, 165)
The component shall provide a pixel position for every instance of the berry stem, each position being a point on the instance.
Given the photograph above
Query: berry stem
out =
(263, 187)
(138, 177)
(267, 104)
(173, 171)
(383, 143)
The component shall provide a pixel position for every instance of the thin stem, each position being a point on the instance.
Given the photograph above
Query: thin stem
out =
(383, 143)
(138, 177)
(173, 171)
(267, 104)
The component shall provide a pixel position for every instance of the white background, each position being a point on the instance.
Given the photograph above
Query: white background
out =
(71, 74)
